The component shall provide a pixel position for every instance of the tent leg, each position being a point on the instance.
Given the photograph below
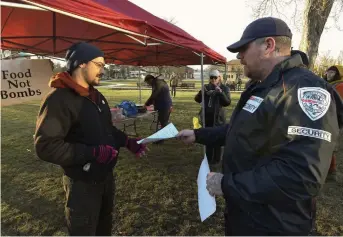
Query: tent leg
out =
(140, 89)
(203, 95)
(225, 73)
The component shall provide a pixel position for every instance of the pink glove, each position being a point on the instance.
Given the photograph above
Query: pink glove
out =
(104, 154)
(137, 149)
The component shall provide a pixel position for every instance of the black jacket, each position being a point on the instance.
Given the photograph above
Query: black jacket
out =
(160, 96)
(278, 148)
(68, 125)
(214, 103)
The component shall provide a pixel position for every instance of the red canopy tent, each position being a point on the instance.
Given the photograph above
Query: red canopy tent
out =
(127, 34)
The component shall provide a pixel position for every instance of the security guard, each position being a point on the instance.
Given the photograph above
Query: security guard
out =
(279, 141)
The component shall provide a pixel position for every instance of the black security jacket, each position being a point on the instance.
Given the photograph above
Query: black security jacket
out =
(278, 147)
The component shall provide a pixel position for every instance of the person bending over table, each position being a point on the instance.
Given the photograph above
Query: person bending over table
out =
(160, 98)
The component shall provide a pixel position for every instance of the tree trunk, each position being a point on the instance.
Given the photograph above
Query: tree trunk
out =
(315, 16)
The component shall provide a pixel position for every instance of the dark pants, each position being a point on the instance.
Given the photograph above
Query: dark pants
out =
(163, 117)
(236, 225)
(213, 153)
(89, 206)
(173, 91)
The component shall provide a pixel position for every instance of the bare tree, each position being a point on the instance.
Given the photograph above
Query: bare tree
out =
(171, 20)
(313, 18)
(340, 58)
(325, 61)
(58, 68)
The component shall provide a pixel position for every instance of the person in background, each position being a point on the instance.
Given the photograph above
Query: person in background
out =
(239, 84)
(279, 140)
(173, 84)
(217, 96)
(334, 75)
(160, 98)
(74, 130)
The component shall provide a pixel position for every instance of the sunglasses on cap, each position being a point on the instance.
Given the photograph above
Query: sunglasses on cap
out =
(213, 77)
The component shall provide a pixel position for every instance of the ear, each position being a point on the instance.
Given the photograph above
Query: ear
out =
(83, 65)
(270, 45)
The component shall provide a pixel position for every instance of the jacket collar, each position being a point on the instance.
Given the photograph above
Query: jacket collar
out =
(279, 69)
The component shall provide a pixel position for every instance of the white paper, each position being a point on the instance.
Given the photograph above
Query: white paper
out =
(167, 132)
(207, 203)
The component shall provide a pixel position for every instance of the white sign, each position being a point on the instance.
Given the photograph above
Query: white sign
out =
(167, 132)
(309, 132)
(207, 203)
(314, 101)
(24, 80)
(252, 104)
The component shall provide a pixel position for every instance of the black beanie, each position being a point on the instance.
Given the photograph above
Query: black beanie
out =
(81, 53)
(333, 68)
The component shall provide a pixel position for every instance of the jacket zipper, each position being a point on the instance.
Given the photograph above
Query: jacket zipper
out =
(94, 104)
(87, 166)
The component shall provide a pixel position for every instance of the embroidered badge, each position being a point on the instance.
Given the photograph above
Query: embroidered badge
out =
(314, 101)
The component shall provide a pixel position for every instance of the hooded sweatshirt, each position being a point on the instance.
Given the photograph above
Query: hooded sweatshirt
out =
(73, 119)
(338, 83)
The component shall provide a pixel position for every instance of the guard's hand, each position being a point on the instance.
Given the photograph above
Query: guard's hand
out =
(214, 183)
(187, 136)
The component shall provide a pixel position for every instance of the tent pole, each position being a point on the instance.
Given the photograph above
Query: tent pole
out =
(203, 94)
(225, 73)
(139, 83)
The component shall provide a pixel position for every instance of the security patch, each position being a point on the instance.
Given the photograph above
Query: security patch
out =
(252, 104)
(309, 132)
(314, 101)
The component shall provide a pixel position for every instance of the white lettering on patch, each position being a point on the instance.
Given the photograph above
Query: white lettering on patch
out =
(314, 101)
(309, 132)
(252, 104)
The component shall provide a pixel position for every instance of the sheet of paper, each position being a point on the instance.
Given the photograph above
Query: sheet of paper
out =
(167, 132)
(207, 203)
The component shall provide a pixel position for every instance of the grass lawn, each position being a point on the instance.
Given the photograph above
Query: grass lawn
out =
(156, 195)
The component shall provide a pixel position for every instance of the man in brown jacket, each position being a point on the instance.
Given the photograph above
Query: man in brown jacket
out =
(74, 130)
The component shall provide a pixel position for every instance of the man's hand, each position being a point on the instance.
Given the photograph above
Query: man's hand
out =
(187, 136)
(138, 149)
(214, 183)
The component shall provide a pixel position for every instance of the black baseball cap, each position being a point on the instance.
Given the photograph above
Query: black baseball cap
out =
(263, 27)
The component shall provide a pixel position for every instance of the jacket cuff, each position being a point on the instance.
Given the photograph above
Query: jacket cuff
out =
(201, 136)
(197, 133)
(225, 187)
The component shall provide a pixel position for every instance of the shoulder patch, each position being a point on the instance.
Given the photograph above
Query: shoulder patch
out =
(314, 101)
(309, 132)
(252, 104)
